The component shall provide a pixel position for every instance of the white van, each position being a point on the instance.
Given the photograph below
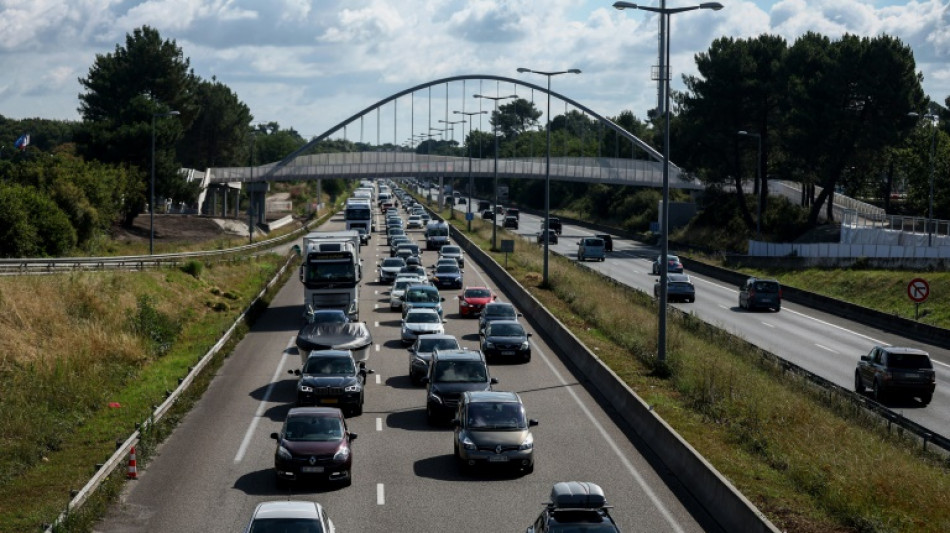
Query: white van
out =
(591, 248)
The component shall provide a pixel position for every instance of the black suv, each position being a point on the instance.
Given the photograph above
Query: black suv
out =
(575, 506)
(332, 378)
(555, 224)
(892, 369)
(762, 293)
(510, 222)
(506, 340)
(452, 372)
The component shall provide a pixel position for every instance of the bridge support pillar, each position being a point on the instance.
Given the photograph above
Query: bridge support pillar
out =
(257, 192)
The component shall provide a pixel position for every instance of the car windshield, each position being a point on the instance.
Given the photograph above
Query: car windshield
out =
(422, 295)
(478, 293)
(329, 366)
(313, 429)
(766, 286)
(279, 525)
(447, 269)
(394, 262)
(496, 415)
(506, 330)
(431, 345)
(908, 360)
(499, 311)
(401, 285)
(451, 250)
(460, 372)
(422, 318)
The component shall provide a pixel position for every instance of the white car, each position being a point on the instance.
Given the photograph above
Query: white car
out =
(414, 278)
(415, 221)
(397, 290)
(389, 268)
(290, 515)
(422, 321)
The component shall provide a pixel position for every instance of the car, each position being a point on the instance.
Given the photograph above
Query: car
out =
(512, 212)
(420, 321)
(608, 241)
(396, 242)
(484, 205)
(499, 210)
(473, 299)
(506, 339)
(314, 443)
(389, 268)
(893, 370)
(491, 429)
(425, 218)
(397, 291)
(673, 264)
(332, 378)
(452, 372)
(760, 293)
(591, 248)
(394, 232)
(448, 276)
(678, 287)
(461, 201)
(445, 261)
(552, 237)
(555, 224)
(487, 214)
(575, 506)
(420, 353)
(364, 236)
(496, 311)
(413, 269)
(326, 316)
(407, 250)
(393, 221)
(453, 251)
(416, 279)
(424, 296)
(510, 222)
(290, 515)
(414, 222)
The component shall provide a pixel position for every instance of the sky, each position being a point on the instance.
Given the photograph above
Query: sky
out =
(309, 64)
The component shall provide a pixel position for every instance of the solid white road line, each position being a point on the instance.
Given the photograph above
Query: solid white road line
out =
(262, 405)
(380, 494)
(613, 445)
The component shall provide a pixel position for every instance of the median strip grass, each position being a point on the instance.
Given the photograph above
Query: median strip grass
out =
(809, 460)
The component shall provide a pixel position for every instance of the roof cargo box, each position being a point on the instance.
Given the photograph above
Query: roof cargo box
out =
(577, 495)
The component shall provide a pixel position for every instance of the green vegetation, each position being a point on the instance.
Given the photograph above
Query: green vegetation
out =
(86, 356)
(810, 461)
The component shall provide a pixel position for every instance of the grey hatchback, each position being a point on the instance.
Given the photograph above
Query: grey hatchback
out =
(759, 292)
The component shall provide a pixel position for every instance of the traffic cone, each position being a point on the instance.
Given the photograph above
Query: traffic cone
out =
(133, 473)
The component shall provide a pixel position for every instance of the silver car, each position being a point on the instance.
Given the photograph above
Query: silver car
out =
(396, 292)
(455, 252)
(290, 515)
(420, 321)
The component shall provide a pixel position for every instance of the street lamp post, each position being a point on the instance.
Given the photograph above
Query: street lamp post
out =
(441, 199)
(471, 188)
(547, 166)
(494, 222)
(665, 12)
(758, 180)
(451, 127)
(151, 204)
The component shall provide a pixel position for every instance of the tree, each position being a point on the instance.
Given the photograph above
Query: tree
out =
(515, 117)
(124, 91)
(218, 137)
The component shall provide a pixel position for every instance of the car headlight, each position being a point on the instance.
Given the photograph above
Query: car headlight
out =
(305, 388)
(283, 453)
(489, 345)
(433, 397)
(463, 303)
(342, 453)
(525, 345)
(467, 443)
(528, 443)
(353, 388)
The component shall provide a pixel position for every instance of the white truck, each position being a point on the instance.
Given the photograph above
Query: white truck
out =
(331, 271)
(358, 213)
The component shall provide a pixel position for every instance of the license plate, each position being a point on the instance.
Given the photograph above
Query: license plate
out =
(507, 352)
(498, 459)
(329, 400)
(311, 469)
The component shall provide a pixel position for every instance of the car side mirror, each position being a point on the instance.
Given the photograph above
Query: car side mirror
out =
(424, 380)
(456, 422)
(295, 371)
(353, 436)
(532, 422)
(275, 436)
(865, 358)
(442, 299)
(520, 315)
(530, 334)
(368, 371)
(493, 381)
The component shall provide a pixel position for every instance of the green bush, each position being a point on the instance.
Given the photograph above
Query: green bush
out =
(158, 329)
(193, 268)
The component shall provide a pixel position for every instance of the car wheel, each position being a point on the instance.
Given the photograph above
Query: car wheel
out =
(529, 469)
(280, 482)
(926, 398)
(430, 415)
(527, 357)
(858, 383)
(876, 391)
(358, 410)
(348, 480)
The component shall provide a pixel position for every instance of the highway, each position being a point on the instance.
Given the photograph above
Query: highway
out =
(218, 464)
(818, 341)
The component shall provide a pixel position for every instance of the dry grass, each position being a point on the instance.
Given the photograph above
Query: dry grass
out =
(809, 461)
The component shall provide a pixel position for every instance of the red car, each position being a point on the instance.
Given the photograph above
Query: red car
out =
(473, 300)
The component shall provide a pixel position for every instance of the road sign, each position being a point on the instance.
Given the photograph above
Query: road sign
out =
(918, 289)
(469, 216)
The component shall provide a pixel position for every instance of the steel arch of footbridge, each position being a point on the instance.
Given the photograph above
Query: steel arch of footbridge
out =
(410, 164)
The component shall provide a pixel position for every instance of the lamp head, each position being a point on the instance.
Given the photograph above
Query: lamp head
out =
(522, 69)
(574, 71)
(624, 5)
(715, 6)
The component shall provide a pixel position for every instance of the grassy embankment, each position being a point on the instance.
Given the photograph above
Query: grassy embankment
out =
(73, 344)
(809, 461)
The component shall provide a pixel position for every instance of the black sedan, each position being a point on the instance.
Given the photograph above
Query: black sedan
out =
(447, 276)
(506, 340)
